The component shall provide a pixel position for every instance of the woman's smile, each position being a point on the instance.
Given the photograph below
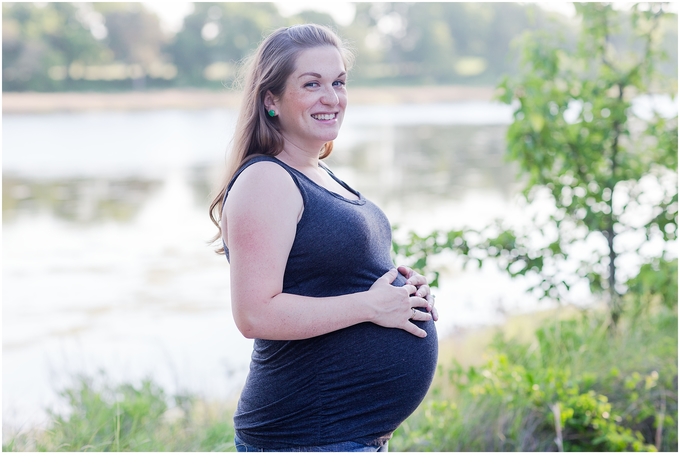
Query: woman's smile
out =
(325, 117)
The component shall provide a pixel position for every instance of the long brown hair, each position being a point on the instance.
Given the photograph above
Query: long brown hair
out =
(268, 69)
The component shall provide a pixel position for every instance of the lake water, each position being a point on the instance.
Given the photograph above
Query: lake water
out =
(105, 262)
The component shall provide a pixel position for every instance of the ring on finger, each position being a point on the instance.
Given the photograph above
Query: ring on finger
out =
(414, 313)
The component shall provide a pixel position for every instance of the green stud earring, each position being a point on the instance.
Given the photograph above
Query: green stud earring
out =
(272, 113)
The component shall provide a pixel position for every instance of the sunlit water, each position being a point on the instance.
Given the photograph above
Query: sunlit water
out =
(105, 262)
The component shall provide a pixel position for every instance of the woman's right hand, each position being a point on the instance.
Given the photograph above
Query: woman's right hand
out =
(393, 306)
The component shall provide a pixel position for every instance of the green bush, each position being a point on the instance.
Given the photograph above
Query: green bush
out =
(579, 386)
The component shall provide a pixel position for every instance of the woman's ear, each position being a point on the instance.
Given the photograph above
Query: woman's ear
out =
(270, 101)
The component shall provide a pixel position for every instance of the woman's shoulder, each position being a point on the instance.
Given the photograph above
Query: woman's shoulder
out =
(263, 168)
(264, 180)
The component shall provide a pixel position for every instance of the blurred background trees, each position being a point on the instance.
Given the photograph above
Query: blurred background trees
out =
(35, 40)
(215, 37)
(121, 46)
(595, 138)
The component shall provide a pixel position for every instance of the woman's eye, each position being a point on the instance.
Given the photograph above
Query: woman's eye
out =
(338, 83)
(311, 84)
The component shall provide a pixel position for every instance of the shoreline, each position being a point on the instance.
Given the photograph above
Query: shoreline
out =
(38, 103)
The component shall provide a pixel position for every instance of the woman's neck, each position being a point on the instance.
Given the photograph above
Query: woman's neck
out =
(298, 157)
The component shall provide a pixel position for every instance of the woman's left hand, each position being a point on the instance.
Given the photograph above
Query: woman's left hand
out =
(423, 288)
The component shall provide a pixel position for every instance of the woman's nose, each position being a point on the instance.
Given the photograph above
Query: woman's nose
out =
(330, 97)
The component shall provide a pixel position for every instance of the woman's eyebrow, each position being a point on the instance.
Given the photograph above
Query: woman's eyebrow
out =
(317, 75)
(313, 74)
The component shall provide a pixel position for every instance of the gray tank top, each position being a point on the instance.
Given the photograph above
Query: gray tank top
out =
(355, 384)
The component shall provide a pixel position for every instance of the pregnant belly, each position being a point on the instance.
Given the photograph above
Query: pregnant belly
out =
(376, 375)
(359, 383)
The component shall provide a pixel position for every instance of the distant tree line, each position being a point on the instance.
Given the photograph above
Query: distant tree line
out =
(59, 46)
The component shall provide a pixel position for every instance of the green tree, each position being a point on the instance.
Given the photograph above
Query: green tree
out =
(439, 42)
(220, 33)
(585, 148)
(36, 37)
(134, 36)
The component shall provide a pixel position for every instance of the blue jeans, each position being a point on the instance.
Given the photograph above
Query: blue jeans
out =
(347, 446)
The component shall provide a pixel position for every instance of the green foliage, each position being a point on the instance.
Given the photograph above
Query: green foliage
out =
(416, 250)
(575, 387)
(579, 145)
(431, 42)
(656, 283)
(582, 151)
(134, 34)
(109, 420)
(129, 418)
(37, 38)
(221, 33)
(509, 249)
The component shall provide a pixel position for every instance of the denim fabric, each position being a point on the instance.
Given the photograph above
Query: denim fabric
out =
(348, 446)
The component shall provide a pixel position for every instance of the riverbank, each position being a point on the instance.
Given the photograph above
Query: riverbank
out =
(30, 102)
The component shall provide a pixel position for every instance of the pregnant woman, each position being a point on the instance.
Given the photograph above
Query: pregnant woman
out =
(345, 346)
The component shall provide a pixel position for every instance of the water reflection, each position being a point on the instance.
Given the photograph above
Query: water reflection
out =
(81, 200)
(435, 161)
(406, 166)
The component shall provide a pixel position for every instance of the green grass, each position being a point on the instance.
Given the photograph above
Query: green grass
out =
(547, 382)
(128, 418)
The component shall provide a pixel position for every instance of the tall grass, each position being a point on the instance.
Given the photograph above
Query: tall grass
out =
(124, 418)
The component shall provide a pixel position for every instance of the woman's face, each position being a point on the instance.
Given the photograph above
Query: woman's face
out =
(312, 106)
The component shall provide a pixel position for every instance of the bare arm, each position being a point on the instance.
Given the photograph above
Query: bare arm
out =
(261, 213)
